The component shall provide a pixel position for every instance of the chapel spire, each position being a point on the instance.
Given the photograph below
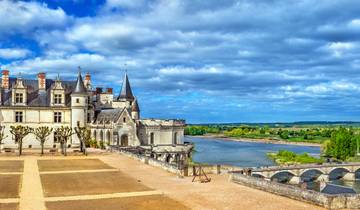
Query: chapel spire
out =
(126, 92)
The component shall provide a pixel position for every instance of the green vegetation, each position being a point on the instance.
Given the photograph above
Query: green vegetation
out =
(292, 134)
(343, 144)
(288, 157)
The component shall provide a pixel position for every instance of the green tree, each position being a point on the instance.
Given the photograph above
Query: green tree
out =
(64, 132)
(84, 136)
(2, 135)
(41, 134)
(343, 144)
(19, 132)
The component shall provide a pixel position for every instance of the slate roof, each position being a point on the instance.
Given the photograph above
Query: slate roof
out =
(126, 92)
(108, 115)
(80, 87)
(36, 97)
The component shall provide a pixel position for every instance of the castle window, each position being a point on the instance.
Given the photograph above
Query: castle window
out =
(78, 123)
(19, 98)
(88, 118)
(151, 138)
(77, 100)
(57, 137)
(57, 99)
(57, 117)
(124, 119)
(18, 117)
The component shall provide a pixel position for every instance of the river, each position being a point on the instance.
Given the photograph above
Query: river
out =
(250, 154)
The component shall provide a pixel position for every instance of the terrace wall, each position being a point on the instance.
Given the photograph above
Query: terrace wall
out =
(343, 201)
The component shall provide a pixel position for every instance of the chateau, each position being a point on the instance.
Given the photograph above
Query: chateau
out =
(114, 120)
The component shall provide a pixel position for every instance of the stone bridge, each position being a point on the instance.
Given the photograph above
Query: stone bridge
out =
(320, 172)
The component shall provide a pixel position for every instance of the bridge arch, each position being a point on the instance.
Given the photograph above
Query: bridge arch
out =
(338, 173)
(311, 174)
(357, 173)
(282, 176)
(258, 175)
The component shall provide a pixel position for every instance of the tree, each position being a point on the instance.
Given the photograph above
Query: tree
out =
(2, 135)
(84, 136)
(64, 132)
(343, 144)
(41, 134)
(19, 133)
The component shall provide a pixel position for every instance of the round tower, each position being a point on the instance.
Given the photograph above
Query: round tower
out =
(79, 105)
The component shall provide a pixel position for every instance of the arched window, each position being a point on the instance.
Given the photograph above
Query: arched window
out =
(175, 138)
(151, 138)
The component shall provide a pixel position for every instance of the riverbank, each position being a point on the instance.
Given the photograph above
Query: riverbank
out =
(267, 141)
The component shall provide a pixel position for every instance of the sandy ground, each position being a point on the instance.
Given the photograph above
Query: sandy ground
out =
(9, 186)
(268, 141)
(89, 183)
(218, 194)
(9, 206)
(11, 166)
(134, 186)
(74, 164)
(152, 202)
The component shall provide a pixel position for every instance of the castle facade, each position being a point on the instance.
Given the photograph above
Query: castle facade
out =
(113, 120)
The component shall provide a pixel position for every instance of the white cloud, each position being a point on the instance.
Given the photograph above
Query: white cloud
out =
(13, 53)
(19, 16)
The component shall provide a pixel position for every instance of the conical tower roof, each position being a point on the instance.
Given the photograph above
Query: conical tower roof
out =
(126, 92)
(80, 87)
(135, 106)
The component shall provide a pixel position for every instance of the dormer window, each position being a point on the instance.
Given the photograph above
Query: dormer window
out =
(57, 98)
(19, 98)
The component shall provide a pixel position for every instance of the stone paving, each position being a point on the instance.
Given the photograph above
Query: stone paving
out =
(39, 183)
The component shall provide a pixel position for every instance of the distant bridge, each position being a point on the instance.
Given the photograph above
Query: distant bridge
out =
(299, 173)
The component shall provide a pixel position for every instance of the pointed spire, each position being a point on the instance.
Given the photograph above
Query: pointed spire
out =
(126, 92)
(80, 87)
(135, 106)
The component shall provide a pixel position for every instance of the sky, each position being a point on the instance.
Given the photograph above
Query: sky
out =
(206, 61)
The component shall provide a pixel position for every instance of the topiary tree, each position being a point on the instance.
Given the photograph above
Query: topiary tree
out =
(2, 135)
(41, 134)
(19, 133)
(64, 133)
(84, 136)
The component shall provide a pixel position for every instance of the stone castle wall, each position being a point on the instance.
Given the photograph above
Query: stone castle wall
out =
(343, 201)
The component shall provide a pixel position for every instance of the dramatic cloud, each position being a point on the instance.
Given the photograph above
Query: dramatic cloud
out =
(238, 60)
(13, 53)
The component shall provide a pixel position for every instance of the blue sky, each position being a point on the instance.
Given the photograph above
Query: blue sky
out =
(204, 61)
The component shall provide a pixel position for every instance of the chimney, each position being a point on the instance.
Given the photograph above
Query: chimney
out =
(98, 90)
(87, 81)
(42, 81)
(109, 90)
(5, 79)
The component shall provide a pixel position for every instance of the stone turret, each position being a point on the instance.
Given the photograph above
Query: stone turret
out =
(79, 105)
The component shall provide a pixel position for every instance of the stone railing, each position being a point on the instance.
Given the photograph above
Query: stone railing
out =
(342, 201)
(153, 162)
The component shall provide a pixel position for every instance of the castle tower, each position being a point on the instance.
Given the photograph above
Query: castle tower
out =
(135, 110)
(79, 105)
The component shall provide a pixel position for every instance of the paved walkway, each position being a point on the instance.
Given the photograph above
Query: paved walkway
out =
(31, 194)
(218, 194)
